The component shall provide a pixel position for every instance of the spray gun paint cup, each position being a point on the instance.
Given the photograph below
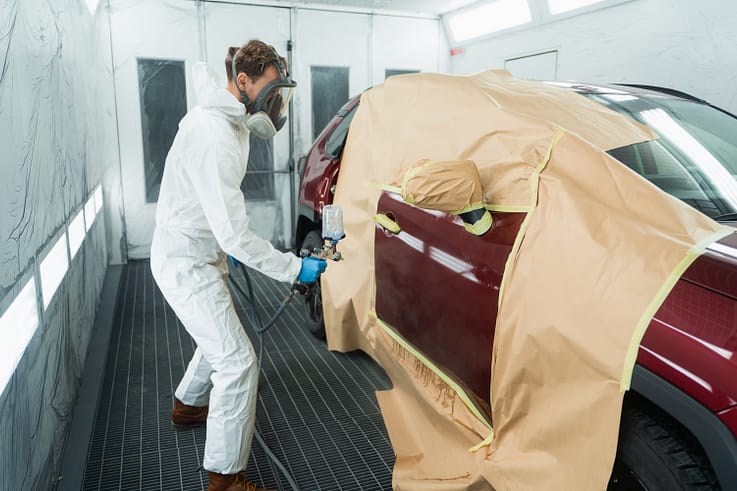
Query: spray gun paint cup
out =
(332, 230)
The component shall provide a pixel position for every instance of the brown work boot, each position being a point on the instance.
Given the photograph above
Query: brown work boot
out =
(184, 417)
(231, 482)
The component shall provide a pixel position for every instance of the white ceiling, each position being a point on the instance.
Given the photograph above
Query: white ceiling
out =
(421, 7)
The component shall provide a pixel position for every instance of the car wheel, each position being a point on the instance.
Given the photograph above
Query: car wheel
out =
(313, 298)
(656, 453)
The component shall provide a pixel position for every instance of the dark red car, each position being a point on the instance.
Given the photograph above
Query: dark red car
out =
(679, 420)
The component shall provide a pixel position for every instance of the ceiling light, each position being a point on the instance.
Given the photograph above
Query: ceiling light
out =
(560, 6)
(92, 5)
(488, 18)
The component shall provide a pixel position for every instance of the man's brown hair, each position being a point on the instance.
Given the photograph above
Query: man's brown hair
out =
(252, 58)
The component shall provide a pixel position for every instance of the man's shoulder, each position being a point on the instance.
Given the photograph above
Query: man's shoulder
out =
(203, 124)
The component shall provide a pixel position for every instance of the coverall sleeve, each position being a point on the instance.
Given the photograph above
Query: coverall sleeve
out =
(216, 174)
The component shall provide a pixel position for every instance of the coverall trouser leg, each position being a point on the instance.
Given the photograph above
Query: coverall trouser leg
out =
(198, 294)
(194, 388)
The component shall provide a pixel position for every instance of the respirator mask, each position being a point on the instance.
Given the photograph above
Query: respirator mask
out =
(268, 112)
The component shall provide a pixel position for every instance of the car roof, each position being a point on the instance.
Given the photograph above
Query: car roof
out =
(586, 88)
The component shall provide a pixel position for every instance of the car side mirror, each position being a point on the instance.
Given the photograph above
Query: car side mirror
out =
(450, 186)
(301, 164)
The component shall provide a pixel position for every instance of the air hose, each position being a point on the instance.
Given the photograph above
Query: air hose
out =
(261, 329)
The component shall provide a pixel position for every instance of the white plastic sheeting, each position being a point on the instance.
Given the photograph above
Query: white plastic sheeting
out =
(58, 140)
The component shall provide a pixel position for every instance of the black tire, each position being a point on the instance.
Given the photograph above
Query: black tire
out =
(313, 299)
(656, 453)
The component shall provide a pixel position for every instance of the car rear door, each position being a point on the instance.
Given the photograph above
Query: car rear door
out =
(438, 285)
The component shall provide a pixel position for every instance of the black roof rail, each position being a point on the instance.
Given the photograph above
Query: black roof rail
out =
(665, 90)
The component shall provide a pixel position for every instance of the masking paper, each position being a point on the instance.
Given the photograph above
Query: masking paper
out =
(597, 253)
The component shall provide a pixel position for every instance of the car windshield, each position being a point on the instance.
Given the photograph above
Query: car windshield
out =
(695, 158)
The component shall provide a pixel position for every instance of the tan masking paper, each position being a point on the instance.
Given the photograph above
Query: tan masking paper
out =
(443, 186)
(596, 250)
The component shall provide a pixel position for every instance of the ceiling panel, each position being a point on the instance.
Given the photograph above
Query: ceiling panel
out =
(423, 7)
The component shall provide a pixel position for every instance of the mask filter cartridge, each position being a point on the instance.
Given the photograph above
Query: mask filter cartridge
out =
(260, 124)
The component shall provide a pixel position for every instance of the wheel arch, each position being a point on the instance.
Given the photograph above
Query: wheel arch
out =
(307, 220)
(716, 439)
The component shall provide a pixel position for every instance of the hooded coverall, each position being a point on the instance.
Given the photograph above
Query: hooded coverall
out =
(200, 219)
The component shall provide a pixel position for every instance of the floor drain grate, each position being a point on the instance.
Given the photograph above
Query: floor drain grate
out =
(317, 410)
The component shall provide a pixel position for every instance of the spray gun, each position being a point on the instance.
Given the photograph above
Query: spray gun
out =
(332, 233)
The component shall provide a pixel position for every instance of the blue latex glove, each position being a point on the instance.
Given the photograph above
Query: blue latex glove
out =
(311, 269)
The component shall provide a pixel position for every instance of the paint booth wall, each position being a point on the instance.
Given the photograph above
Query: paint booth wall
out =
(335, 55)
(682, 44)
(58, 180)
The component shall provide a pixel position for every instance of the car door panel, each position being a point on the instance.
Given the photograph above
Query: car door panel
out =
(438, 285)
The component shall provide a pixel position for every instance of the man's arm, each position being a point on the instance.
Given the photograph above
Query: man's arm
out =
(215, 174)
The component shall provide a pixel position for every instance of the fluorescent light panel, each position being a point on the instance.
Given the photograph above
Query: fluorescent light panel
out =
(89, 211)
(76, 233)
(98, 199)
(92, 5)
(560, 6)
(53, 268)
(489, 18)
(17, 326)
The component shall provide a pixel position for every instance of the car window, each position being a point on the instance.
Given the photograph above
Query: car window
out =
(335, 143)
(652, 161)
(694, 158)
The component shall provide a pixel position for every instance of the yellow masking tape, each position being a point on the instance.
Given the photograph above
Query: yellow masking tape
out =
(387, 223)
(452, 384)
(534, 183)
(482, 226)
(411, 172)
(467, 208)
(509, 208)
(657, 301)
(487, 441)
(382, 187)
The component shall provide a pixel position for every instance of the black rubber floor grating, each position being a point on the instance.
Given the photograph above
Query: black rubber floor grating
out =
(316, 411)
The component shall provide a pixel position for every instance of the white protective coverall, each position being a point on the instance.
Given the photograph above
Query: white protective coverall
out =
(200, 218)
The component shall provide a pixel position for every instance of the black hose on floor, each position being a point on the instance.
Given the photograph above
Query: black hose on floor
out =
(261, 329)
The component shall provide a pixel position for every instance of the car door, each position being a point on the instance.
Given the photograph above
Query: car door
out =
(438, 285)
